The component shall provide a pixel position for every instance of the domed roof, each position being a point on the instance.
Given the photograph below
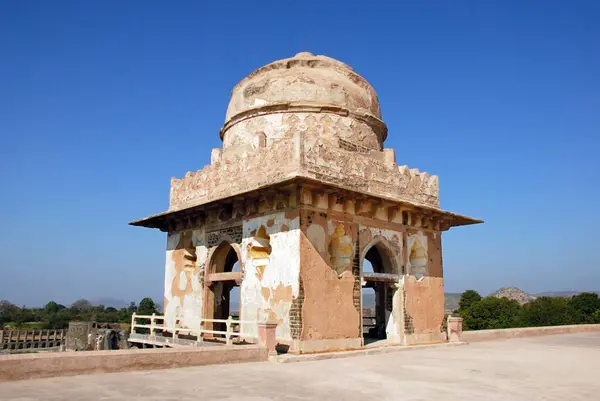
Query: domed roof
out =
(303, 79)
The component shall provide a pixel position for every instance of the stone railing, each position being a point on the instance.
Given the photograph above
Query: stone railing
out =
(14, 341)
(157, 332)
(457, 335)
(489, 335)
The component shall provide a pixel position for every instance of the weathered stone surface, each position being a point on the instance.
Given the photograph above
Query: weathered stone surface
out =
(305, 156)
(32, 366)
(562, 367)
(324, 88)
(300, 195)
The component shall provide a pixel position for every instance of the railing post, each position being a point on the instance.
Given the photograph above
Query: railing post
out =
(454, 327)
(266, 336)
(199, 338)
(229, 327)
(152, 324)
(133, 323)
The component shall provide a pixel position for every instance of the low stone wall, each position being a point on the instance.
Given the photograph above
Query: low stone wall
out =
(30, 366)
(14, 341)
(487, 335)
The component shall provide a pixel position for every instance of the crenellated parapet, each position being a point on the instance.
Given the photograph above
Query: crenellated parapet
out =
(233, 174)
(366, 171)
(419, 182)
(370, 172)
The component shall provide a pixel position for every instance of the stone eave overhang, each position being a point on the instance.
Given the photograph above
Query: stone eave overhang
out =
(162, 220)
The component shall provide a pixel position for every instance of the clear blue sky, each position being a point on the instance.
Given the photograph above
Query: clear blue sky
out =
(102, 102)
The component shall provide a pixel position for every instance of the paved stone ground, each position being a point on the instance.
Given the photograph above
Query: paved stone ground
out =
(559, 367)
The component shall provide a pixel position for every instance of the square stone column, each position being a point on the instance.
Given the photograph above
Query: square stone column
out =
(266, 336)
(454, 329)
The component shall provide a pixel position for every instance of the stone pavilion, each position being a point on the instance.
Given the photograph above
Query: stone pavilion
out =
(301, 193)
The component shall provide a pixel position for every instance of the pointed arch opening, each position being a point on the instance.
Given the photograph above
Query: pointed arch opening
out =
(222, 296)
(379, 273)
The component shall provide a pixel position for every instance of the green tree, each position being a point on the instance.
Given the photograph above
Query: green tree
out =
(584, 306)
(596, 316)
(81, 305)
(492, 313)
(58, 320)
(547, 311)
(132, 308)
(23, 315)
(51, 308)
(124, 316)
(467, 299)
(147, 307)
(8, 311)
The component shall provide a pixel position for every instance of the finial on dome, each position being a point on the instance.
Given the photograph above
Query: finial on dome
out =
(304, 54)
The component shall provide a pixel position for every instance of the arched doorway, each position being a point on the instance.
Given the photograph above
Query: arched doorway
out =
(379, 275)
(222, 296)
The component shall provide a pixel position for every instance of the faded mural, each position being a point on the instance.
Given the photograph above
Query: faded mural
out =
(417, 254)
(341, 251)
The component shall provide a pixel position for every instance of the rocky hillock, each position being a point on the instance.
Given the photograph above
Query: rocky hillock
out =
(513, 293)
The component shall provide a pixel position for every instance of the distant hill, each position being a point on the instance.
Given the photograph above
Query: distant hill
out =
(513, 293)
(562, 294)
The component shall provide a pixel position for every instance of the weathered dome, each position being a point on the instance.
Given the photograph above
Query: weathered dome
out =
(304, 85)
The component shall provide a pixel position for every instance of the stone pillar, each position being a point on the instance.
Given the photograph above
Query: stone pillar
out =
(266, 336)
(389, 156)
(215, 156)
(454, 329)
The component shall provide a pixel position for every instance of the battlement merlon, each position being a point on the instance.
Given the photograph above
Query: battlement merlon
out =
(373, 173)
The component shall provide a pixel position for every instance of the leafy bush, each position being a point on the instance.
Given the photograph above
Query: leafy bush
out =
(491, 313)
(499, 313)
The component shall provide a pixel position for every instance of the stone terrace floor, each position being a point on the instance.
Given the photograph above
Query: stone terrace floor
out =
(559, 367)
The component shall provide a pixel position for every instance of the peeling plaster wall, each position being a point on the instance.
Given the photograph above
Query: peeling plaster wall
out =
(270, 283)
(183, 281)
(424, 297)
(392, 241)
(329, 310)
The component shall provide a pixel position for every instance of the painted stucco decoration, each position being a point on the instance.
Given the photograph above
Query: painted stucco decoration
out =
(259, 250)
(341, 250)
(417, 257)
